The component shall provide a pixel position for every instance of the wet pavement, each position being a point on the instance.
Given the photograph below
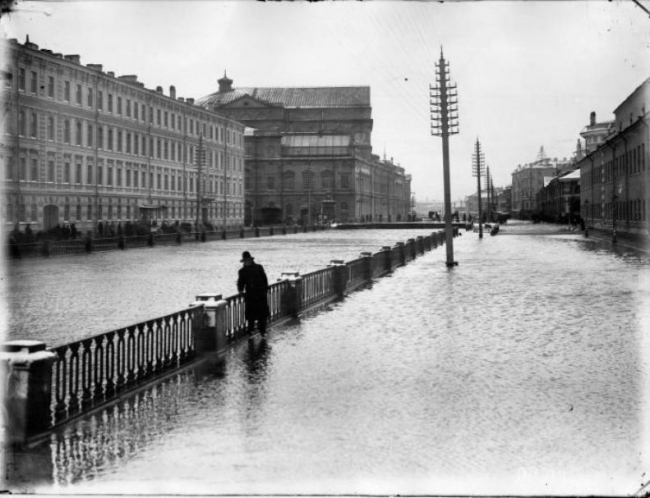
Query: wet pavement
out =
(521, 371)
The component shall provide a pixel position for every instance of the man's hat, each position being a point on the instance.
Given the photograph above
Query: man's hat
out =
(246, 255)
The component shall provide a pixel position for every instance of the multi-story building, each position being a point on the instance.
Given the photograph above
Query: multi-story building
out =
(614, 177)
(528, 180)
(83, 146)
(559, 200)
(309, 155)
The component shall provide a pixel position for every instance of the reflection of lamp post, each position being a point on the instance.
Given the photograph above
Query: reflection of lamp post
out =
(587, 217)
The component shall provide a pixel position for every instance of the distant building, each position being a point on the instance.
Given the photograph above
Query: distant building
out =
(559, 200)
(614, 177)
(309, 155)
(594, 134)
(83, 146)
(528, 180)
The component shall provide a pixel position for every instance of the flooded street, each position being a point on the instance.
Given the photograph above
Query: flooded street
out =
(522, 371)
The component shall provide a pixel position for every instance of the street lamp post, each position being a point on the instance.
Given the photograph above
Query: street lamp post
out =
(587, 217)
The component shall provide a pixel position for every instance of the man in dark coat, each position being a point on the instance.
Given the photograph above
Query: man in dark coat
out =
(253, 283)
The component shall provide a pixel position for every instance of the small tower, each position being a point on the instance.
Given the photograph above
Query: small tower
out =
(225, 83)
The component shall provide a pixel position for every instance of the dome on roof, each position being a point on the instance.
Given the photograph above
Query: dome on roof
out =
(225, 83)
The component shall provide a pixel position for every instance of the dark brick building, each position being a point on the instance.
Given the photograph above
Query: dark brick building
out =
(308, 155)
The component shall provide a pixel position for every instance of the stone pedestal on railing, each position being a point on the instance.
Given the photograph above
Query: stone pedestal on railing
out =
(340, 276)
(292, 298)
(367, 265)
(402, 252)
(388, 258)
(208, 336)
(27, 381)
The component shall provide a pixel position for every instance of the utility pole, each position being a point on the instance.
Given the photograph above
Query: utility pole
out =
(477, 171)
(444, 122)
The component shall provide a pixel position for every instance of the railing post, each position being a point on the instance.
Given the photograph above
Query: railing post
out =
(205, 323)
(257, 231)
(402, 252)
(388, 263)
(367, 265)
(340, 277)
(292, 298)
(411, 246)
(27, 377)
(420, 244)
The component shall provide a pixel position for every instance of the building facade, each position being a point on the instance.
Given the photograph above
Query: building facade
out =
(559, 200)
(83, 146)
(614, 177)
(309, 155)
(529, 179)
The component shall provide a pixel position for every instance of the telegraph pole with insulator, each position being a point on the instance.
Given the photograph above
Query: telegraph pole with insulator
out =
(444, 122)
(478, 162)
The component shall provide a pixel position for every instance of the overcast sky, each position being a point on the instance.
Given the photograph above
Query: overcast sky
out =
(528, 73)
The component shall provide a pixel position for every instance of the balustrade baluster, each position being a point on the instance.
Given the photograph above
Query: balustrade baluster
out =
(110, 365)
(141, 353)
(174, 339)
(158, 365)
(150, 348)
(73, 377)
(166, 334)
(86, 373)
(99, 373)
(61, 382)
(130, 355)
(120, 362)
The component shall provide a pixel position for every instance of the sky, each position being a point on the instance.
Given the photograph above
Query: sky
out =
(528, 73)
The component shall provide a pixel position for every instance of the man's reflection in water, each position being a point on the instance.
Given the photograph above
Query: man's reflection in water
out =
(256, 359)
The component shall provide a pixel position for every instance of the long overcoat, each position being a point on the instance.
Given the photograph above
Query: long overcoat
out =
(253, 283)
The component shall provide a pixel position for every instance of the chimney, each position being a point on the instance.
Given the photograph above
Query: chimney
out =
(181, 99)
(159, 89)
(190, 101)
(129, 78)
(111, 74)
(95, 67)
(73, 58)
(225, 84)
(592, 118)
(172, 91)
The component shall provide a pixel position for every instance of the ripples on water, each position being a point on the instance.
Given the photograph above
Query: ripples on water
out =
(62, 299)
(521, 371)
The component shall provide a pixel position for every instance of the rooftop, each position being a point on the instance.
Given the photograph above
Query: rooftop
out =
(314, 97)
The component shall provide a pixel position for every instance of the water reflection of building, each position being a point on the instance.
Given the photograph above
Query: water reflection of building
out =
(614, 176)
(82, 145)
(309, 153)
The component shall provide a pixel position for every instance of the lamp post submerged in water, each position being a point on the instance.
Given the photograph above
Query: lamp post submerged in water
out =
(444, 117)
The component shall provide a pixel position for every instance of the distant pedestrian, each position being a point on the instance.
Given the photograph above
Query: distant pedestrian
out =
(253, 283)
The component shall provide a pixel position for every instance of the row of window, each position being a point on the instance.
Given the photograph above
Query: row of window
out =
(630, 210)
(124, 107)
(108, 210)
(115, 139)
(119, 174)
(308, 181)
(630, 163)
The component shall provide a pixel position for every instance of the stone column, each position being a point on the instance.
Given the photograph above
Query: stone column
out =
(367, 265)
(27, 371)
(205, 322)
(340, 277)
(292, 297)
(402, 252)
(388, 260)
